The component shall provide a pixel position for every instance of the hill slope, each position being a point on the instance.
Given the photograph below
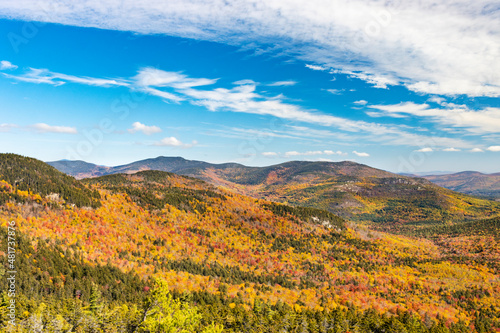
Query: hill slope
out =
(23, 178)
(348, 189)
(252, 264)
(470, 182)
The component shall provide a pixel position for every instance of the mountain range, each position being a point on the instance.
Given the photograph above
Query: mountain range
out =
(106, 253)
(348, 189)
(470, 182)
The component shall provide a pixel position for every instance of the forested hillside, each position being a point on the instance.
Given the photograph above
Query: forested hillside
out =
(162, 248)
(348, 189)
(24, 178)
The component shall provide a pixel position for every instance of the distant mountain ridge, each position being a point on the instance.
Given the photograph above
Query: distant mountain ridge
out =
(348, 189)
(79, 169)
(470, 182)
(82, 169)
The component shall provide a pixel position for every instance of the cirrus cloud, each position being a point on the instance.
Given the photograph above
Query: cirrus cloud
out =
(244, 98)
(439, 47)
(486, 120)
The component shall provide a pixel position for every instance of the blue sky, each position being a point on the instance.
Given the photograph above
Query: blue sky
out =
(405, 89)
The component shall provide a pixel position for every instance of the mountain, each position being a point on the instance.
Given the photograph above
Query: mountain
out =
(348, 189)
(79, 169)
(25, 178)
(242, 263)
(470, 182)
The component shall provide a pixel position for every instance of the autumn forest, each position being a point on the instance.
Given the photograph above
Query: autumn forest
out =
(154, 251)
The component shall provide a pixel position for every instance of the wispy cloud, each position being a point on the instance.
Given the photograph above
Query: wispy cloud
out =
(166, 96)
(148, 130)
(294, 153)
(45, 128)
(451, 149)
(244, 98)
(36, 75)
(476, 150)
(446, 47)
(312, 153)
(482, 121)
(360, 102)
(316, 67)
(4, 64)
(150, 76)
(7, 127)
(335, 91)
(245, 81)
(360, 154)
(174, 142)
(307, 153)
(282, 83)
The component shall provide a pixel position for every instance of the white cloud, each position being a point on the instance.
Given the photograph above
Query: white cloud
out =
(7, 127)
(335, 91)
(269, 154)
(44, 128)
(451, 149)
(91, 81)
(174, 142)
(307, 153)
(360, 154)
(245, 81)
(166, 96)
(282, 83)
(36, 75)
(493, 148)
(360, 102)
(437, 100)
(316, 67)
(243, 98)
(445, 47)
(378, 81)
(150, 76)
(251, 134)
(4, 64)
(292, 153)
(331, 152)
(425, 150)
(486, 120)
(148, 130)
(476, 150)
